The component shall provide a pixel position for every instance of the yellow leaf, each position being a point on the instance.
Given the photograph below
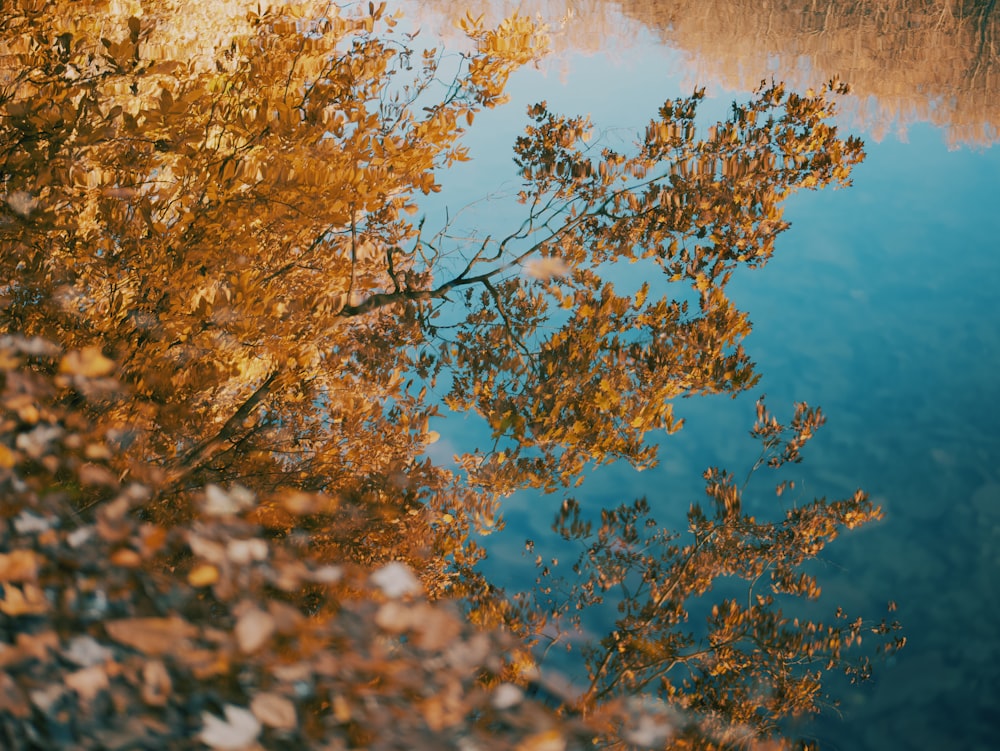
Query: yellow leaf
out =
(126, 558)
(549, 740)
(88, 362)
(27, 601)
(18, 566)
(203, 575)
(341, 709)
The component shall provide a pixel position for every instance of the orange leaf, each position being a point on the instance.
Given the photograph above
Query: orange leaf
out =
(151, 636)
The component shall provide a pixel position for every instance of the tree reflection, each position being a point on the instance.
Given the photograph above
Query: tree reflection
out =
(933, 61)
(220, 324)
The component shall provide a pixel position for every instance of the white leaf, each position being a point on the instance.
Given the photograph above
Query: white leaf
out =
(396, 579)
(37, 442)
(326, 574)
(21, 202)
(507, 695)
(649, 732)
(242, 552)
(237, 731)
(78, 536)
(253, 629)
(209, 550)
(86, 651)
(219, 503)
(27, 523)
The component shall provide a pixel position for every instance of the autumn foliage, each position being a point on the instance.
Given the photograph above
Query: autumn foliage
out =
(220, 320)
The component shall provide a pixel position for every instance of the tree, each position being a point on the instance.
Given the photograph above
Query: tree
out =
(222, 321)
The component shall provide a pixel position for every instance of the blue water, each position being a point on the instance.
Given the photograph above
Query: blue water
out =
(882, 306)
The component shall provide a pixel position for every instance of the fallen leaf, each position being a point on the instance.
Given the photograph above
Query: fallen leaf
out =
(27, 601)
(507, 695)
(548, 740)
(115, 511)
(37, 645)
(151, 636)
(87, 362)
(86, 651)
(153, 538)
(126, 558)
(648, 731)
(298, 503)
(445, 708)
(211, 551)
(394, 617)
(253, 629)
(97, 451)
(88, 682)
(203, 575)
(243, 552)
(27, 523)
(395, 579)
(219, 503)
(326, 574)
(203, 663)
(37, 442)
(79, 536)
(341, 709)
(96, 475)
(45, 698)
(156, 683)
(297, 671)
(12, 698)
(289, 575)
(436, 628)
(237, 731)
(274, 710)
(287, 618)
(18, 566)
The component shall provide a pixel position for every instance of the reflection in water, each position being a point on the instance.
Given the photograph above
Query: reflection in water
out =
(931, 60)
(907, 61)
(900, 348)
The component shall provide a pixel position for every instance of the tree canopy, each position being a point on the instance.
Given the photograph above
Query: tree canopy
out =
(221, 313)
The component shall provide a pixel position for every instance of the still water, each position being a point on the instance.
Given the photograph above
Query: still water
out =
(882, 305)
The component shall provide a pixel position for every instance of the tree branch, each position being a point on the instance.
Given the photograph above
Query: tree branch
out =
(207, 448)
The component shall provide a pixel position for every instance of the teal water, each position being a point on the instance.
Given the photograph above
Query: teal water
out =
(882, 305)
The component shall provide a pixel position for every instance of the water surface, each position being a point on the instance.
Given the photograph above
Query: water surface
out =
(881, 305)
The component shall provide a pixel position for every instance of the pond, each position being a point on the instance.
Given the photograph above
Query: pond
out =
(881, 305)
